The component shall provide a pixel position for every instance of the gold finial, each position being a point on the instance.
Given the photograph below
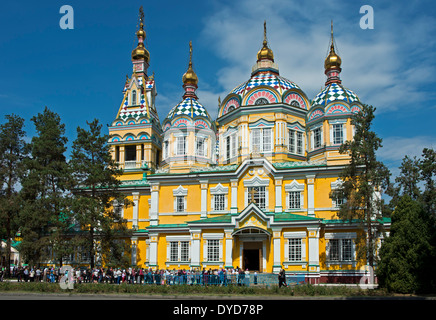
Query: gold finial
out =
(190, 76)
(140, 52)
(219, 101)
(264, 33)
(333, 61)
(265, 52)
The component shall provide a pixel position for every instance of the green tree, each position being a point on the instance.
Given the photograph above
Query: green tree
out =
(363, 179)
(407, 182)
(45, 213)
(96, 187)
(403, 265)
(427, 165)
(13, 150)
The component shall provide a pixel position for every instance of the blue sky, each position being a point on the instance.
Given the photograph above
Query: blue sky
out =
(80, 73)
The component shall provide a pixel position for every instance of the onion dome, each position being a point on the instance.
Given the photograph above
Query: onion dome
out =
(333, 61)
(265, 53)
(140, 52)
(265, 86)
(334, 90)
(190, 106)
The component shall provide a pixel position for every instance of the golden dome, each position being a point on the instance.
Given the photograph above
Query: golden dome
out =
(333, 61)
(140, 53)
(190, 77)
(265, 52)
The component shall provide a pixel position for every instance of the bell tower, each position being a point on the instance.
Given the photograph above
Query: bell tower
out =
(135, 134)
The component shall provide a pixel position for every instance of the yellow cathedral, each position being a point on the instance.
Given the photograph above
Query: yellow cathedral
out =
(248, 189)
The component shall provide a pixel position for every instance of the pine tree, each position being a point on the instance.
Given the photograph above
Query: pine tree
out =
(96, 189)
(13, 150)
(407, 182)
(363, 179)
(403, 266)
(44, 217)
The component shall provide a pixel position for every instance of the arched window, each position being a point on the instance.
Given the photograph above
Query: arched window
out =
(261, 101)
(133, 97)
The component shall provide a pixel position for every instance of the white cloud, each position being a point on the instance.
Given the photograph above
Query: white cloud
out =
(375, 62)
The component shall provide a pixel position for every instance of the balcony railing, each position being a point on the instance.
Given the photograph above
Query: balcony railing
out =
(133, 164)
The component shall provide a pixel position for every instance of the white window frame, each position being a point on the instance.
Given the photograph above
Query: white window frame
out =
(213, 239)
(133, 98)
(340, 123)
(336, 202)
(180, 194)
(299, 237)
(341, 239)
(178, 247)
(317, 143)
(294, 186)
(177, 145)
(257, 182)
(258, 136)
(202, 150)
(219, 190)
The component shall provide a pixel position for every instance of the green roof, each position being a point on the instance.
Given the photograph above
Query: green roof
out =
(169, 225)
(227, 218)
(292, 217)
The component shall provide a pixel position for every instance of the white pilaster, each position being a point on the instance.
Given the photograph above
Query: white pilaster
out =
(234, 195)
(277, 250)
(154, 209)
(311, 195)
(229, 249)
(278, 192)
(135, 209)
(313, 235)
(203, 184)
(195, 249)
(153, 250)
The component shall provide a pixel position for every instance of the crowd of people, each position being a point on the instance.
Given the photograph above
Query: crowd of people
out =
(197, 276)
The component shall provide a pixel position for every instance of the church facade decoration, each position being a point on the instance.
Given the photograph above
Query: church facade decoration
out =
(249, 189)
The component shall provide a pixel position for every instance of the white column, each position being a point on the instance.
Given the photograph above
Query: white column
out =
(313, 234)
(311, 195)
(135, 209)
(152, 262)
(229, 249)
(195, 249)
(203, 184)
(154, 208)
(278, 191)
(234, 195)
(277, 248)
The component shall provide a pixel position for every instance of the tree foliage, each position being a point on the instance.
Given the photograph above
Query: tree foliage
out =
(45, 213)
(405, 264)
(96, 188)
(13, 150)
(363, 179)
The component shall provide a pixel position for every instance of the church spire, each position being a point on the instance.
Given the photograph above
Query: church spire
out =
(140, 55)
(265, 52)
(190, 79)
(332, 63)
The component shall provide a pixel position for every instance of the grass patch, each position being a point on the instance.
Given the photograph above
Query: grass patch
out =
(101, 288)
